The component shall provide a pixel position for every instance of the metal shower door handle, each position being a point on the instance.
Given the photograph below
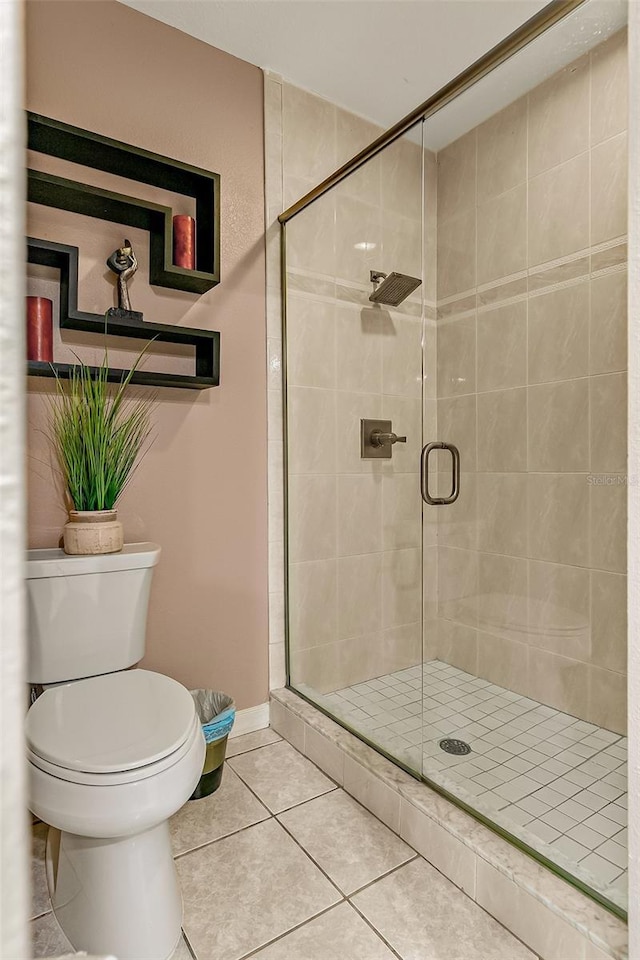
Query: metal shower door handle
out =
(455, 473)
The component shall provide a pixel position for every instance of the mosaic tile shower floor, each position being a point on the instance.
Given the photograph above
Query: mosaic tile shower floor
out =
(557, 783)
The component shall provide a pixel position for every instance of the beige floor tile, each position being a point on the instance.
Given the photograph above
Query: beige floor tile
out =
(251, 741)
(230, 808)
(40, 902)
(347, 841)
(48, 940)
(425, 917)
(336, 935)
(280, 776)
(244, 891)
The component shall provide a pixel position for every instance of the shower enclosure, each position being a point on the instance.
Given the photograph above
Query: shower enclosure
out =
(456, 448)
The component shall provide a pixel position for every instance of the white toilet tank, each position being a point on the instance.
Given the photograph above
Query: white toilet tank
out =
(87, 615)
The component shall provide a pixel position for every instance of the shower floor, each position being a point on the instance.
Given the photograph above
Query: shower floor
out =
(557, 783)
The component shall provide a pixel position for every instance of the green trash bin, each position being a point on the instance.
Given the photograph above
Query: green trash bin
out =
(216, 712)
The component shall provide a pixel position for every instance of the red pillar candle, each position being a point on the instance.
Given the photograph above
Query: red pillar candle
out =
(40, 329)
(184, 241)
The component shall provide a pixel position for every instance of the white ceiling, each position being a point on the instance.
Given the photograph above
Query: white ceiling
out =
(382, 58)
(377, 58)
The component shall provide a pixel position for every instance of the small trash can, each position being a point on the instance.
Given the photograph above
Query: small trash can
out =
(217, 712)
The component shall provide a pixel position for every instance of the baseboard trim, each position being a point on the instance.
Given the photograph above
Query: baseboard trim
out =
(250, 720)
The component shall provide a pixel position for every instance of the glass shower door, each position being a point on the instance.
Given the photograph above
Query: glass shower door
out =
(459, 602)
(525, 588)
(354, 435)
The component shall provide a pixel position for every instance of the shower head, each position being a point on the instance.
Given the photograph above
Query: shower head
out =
(395, 287)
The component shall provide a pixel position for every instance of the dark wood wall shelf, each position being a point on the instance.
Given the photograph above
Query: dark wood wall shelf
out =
(206, 342)
(62, 140)
(57, 139)
(147, 378)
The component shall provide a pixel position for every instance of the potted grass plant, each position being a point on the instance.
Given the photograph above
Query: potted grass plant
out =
(98, 434)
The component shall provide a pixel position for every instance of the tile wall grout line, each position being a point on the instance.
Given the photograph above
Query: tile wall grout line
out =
(294, 806)
(389, 872)
(189, 947)
(277, 813)
(343, 896)
(298, 926)
(377, 932)
(261, 746)
(234, 833)
(300, 802)
(346, 896)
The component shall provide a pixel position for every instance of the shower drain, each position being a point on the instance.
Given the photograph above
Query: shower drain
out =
(458, 747)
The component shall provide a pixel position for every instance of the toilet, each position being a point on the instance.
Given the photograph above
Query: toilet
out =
(113, 752)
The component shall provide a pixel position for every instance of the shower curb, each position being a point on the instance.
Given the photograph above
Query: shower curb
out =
(550, 916)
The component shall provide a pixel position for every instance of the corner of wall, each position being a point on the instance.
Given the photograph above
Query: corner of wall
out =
(633, 489)
(273, 207)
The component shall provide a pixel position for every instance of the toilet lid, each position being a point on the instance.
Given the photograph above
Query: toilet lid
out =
(111, 723)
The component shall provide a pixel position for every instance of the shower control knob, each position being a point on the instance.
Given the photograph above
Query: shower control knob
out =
(378, 438)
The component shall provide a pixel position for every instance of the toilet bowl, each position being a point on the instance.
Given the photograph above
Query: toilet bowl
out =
(113, 752)
(111, 759)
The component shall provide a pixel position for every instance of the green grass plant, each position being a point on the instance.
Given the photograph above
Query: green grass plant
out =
(98, 433)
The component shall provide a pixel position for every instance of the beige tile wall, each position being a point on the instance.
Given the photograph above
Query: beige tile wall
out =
(354, 526)
(532, 388)
(524, 577)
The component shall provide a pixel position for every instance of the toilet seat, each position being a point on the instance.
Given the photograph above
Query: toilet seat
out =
(124, 776)
(111, 729)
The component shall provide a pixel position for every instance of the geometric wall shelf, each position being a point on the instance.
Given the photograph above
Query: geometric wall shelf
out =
(57, 139)
(206, 342)
(89, 149)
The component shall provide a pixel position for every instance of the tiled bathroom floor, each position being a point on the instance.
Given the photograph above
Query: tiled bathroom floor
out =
(558, 783)
(281, 864)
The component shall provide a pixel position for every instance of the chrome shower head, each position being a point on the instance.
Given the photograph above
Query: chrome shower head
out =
(395, 287)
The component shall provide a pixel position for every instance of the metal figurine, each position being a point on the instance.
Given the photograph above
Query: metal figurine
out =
(124, 264)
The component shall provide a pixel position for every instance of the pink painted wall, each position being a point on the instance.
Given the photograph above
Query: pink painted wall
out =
(201, 490)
